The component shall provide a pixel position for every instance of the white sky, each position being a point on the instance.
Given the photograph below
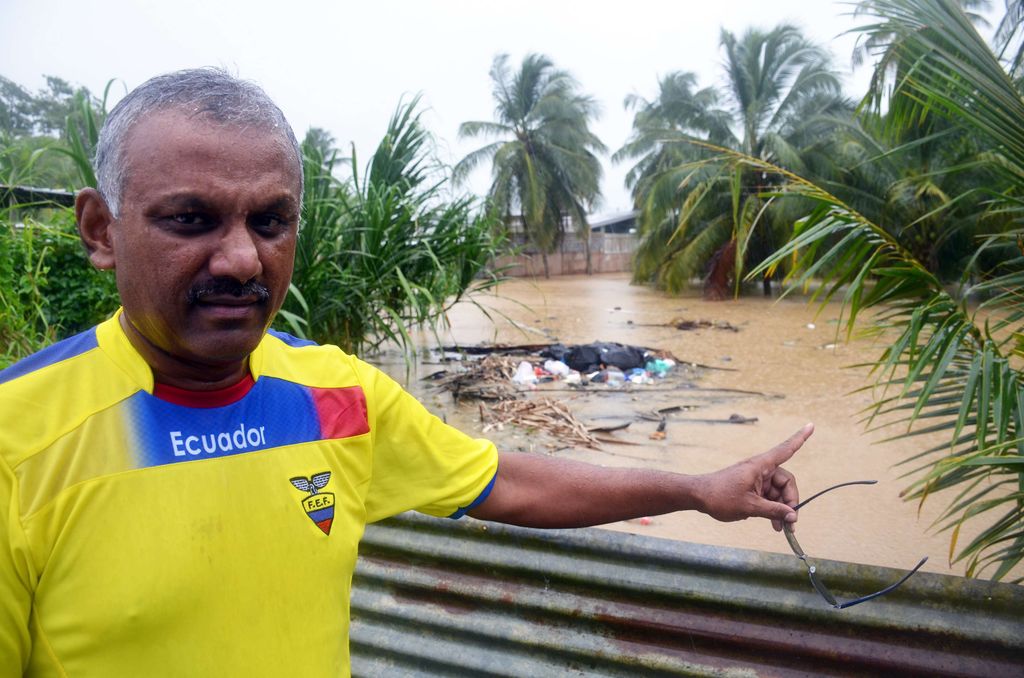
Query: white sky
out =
(344, 66)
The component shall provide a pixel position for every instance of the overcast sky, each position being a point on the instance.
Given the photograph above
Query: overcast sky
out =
(344, 66)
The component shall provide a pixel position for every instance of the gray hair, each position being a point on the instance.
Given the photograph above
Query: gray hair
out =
(208, 92)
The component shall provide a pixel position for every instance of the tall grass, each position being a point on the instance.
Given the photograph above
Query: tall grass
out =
(388, 251)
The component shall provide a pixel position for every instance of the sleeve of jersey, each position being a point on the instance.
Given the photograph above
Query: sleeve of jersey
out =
(15, 593)
(419, 462)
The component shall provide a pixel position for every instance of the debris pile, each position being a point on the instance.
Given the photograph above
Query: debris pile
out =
(500, 376)
(489, 378)
(550, 416)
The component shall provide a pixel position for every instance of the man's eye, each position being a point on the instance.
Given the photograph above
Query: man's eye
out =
(189, 219)
(269, 223)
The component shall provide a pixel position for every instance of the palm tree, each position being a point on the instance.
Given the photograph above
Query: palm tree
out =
(780, 100)
(951, 367)
(659, 145)
(544, 162)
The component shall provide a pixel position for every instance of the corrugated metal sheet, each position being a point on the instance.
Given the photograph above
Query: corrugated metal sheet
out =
(40, 197)
(442, 597)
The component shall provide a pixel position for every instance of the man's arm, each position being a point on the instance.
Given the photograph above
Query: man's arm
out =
(540, 491)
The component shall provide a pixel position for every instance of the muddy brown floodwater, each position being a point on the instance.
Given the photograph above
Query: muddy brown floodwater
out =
(785, 352)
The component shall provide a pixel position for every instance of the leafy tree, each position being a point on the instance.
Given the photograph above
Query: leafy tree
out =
(544, 162)
(780, 103)
(50, 136)
(16, 109)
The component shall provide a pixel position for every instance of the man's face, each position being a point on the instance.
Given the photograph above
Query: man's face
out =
(205, 241)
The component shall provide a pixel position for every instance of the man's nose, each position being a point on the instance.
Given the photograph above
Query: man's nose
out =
(237, 255)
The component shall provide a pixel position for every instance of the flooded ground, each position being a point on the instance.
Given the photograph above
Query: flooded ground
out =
(784, 366)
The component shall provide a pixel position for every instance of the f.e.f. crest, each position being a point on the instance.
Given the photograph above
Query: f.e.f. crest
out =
(319, 506)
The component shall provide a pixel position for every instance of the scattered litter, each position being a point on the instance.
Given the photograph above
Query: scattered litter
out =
(557, 368)
(660, 433)
(609, 428)
(740, 419)
(611, 376)
(810, 326)
(550, 416)
(733, 419)
(639, 375)
(687, 325)
(659, 367)
(524, 375)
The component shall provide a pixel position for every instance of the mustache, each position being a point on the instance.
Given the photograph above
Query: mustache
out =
(227, 286)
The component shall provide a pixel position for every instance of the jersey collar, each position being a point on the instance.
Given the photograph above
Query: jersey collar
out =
(116, 345)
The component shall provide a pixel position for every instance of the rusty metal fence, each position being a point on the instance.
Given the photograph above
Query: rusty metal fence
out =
(461, 598)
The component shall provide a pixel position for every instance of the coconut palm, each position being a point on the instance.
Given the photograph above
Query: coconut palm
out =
(780, 99)
(662, 128)
(1010, 31)
(950, 367)
(543, 162)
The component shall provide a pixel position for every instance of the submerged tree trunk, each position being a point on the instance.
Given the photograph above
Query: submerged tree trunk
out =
(586, 248)
(544, 256)
(720, 271)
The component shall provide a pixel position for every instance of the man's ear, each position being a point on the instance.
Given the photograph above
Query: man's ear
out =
(94, 227)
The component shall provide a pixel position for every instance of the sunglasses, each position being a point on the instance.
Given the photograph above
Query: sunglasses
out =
(818, 585)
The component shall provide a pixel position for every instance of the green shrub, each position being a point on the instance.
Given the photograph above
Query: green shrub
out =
(48, 288)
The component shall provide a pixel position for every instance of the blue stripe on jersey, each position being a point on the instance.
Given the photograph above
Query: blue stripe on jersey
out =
(62, 350)
(476, 502)
(294, 342)
(274, 413)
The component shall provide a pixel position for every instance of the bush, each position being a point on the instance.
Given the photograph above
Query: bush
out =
(48, 288)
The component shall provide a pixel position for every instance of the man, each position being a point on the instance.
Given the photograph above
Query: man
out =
(182, 491)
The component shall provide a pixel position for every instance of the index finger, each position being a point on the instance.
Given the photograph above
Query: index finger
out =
(782, 452)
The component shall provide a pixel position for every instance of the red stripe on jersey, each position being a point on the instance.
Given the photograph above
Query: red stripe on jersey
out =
(342, 412)
(222, 397)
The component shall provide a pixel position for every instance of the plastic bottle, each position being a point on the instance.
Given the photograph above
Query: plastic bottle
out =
(613, 376)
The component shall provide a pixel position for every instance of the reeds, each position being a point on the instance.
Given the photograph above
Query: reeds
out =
(388, 250)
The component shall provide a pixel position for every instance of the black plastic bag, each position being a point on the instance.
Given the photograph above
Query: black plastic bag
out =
(590, 357)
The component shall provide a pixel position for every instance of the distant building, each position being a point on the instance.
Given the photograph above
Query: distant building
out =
(612, 242)
(622, 223)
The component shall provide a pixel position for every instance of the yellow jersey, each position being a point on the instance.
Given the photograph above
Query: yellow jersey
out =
(168, 533)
